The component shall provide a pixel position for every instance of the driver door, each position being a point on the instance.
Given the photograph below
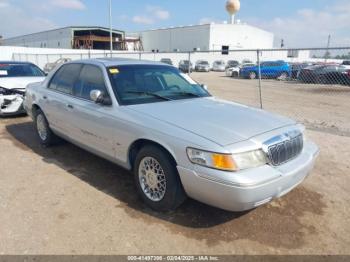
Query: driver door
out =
(93, 123)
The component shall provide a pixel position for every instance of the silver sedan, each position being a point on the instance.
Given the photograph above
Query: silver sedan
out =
(171, 133)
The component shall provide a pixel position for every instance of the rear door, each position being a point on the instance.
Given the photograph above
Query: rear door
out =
(56, 98)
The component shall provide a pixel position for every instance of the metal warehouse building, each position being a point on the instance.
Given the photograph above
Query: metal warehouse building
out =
(205, 37)
(73, 37)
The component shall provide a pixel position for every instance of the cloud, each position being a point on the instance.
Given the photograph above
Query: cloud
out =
(68, 4)
(20, 21)
(310, 28)
(343, 6)
(142, 20)
(158, 12)
(4, 3)
(153, 14)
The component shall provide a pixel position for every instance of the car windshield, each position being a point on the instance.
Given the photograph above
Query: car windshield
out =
(20, 70)
(248, 65)
(203, 63)
(233, 63)
(142, 84)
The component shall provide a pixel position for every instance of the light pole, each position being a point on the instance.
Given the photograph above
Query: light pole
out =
(110, 27)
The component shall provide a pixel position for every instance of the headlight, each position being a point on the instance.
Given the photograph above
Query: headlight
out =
(227, 162)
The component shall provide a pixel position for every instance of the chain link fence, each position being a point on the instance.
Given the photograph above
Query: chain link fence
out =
(309, 85)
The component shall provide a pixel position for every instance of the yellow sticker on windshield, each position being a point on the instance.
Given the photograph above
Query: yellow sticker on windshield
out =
(113, 70)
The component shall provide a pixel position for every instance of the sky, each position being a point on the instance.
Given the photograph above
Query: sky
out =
(301, 23)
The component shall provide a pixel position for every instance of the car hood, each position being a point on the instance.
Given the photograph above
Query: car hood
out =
(18, 82)
(217, 120)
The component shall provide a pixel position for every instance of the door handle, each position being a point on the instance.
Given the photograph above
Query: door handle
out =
(44, 97)
(70, 106)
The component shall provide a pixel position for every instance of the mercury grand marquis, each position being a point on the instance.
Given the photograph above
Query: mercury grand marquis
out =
(177, 139)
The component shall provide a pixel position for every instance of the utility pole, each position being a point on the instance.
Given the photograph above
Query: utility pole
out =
(327, 54)
(329, 41)
(110, 27)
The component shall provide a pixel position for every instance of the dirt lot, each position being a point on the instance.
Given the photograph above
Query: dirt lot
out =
(63, 200)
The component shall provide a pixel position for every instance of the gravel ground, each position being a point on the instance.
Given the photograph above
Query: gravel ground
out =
(64, 200)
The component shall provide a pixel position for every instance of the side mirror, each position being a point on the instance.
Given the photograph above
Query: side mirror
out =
(99, 97)
(204, 86)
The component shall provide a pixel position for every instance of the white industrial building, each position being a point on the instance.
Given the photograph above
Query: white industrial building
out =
(205, 37)
(72, 37)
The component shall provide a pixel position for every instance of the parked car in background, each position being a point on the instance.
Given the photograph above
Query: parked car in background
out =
(232, 63)
(233, 71)
(219, 66)
(297, 67)
(340, 76)
(247, 65)
(323, 73)
(202, 66)
(274, 69)
(171, 133)
(167, 61)
(50, 66)
(247, 61)
(346, 63)
(185, 66)
(14, 77)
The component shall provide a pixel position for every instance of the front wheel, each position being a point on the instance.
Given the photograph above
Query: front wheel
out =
(157, 179)
(283, 76)
(45, 134)
(252, 75)
(235, 74)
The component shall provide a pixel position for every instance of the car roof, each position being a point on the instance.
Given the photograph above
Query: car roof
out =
(108, 62)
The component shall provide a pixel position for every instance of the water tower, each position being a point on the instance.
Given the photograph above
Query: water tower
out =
(232, 7)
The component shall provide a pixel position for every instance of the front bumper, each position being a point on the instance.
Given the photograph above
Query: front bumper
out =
(11, 105)
(219, 69)
(204, 185)
(201, 69)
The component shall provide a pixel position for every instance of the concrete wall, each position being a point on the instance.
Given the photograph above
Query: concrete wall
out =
(60, 38)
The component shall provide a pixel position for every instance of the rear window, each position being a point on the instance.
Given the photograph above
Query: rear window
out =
(346, 63)
(20, 70)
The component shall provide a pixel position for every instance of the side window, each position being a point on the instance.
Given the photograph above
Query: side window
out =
(66, 77)
(91, 78)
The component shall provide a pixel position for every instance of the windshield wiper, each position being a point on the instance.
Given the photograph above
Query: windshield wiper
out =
(149, 94)
(186, 94)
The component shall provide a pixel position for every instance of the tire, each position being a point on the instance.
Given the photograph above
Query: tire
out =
(157, 180)
(235, 74)
(283, 76)
(43, 131)
(252, 75)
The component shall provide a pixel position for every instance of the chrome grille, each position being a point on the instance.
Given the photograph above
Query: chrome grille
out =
(289, 147)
